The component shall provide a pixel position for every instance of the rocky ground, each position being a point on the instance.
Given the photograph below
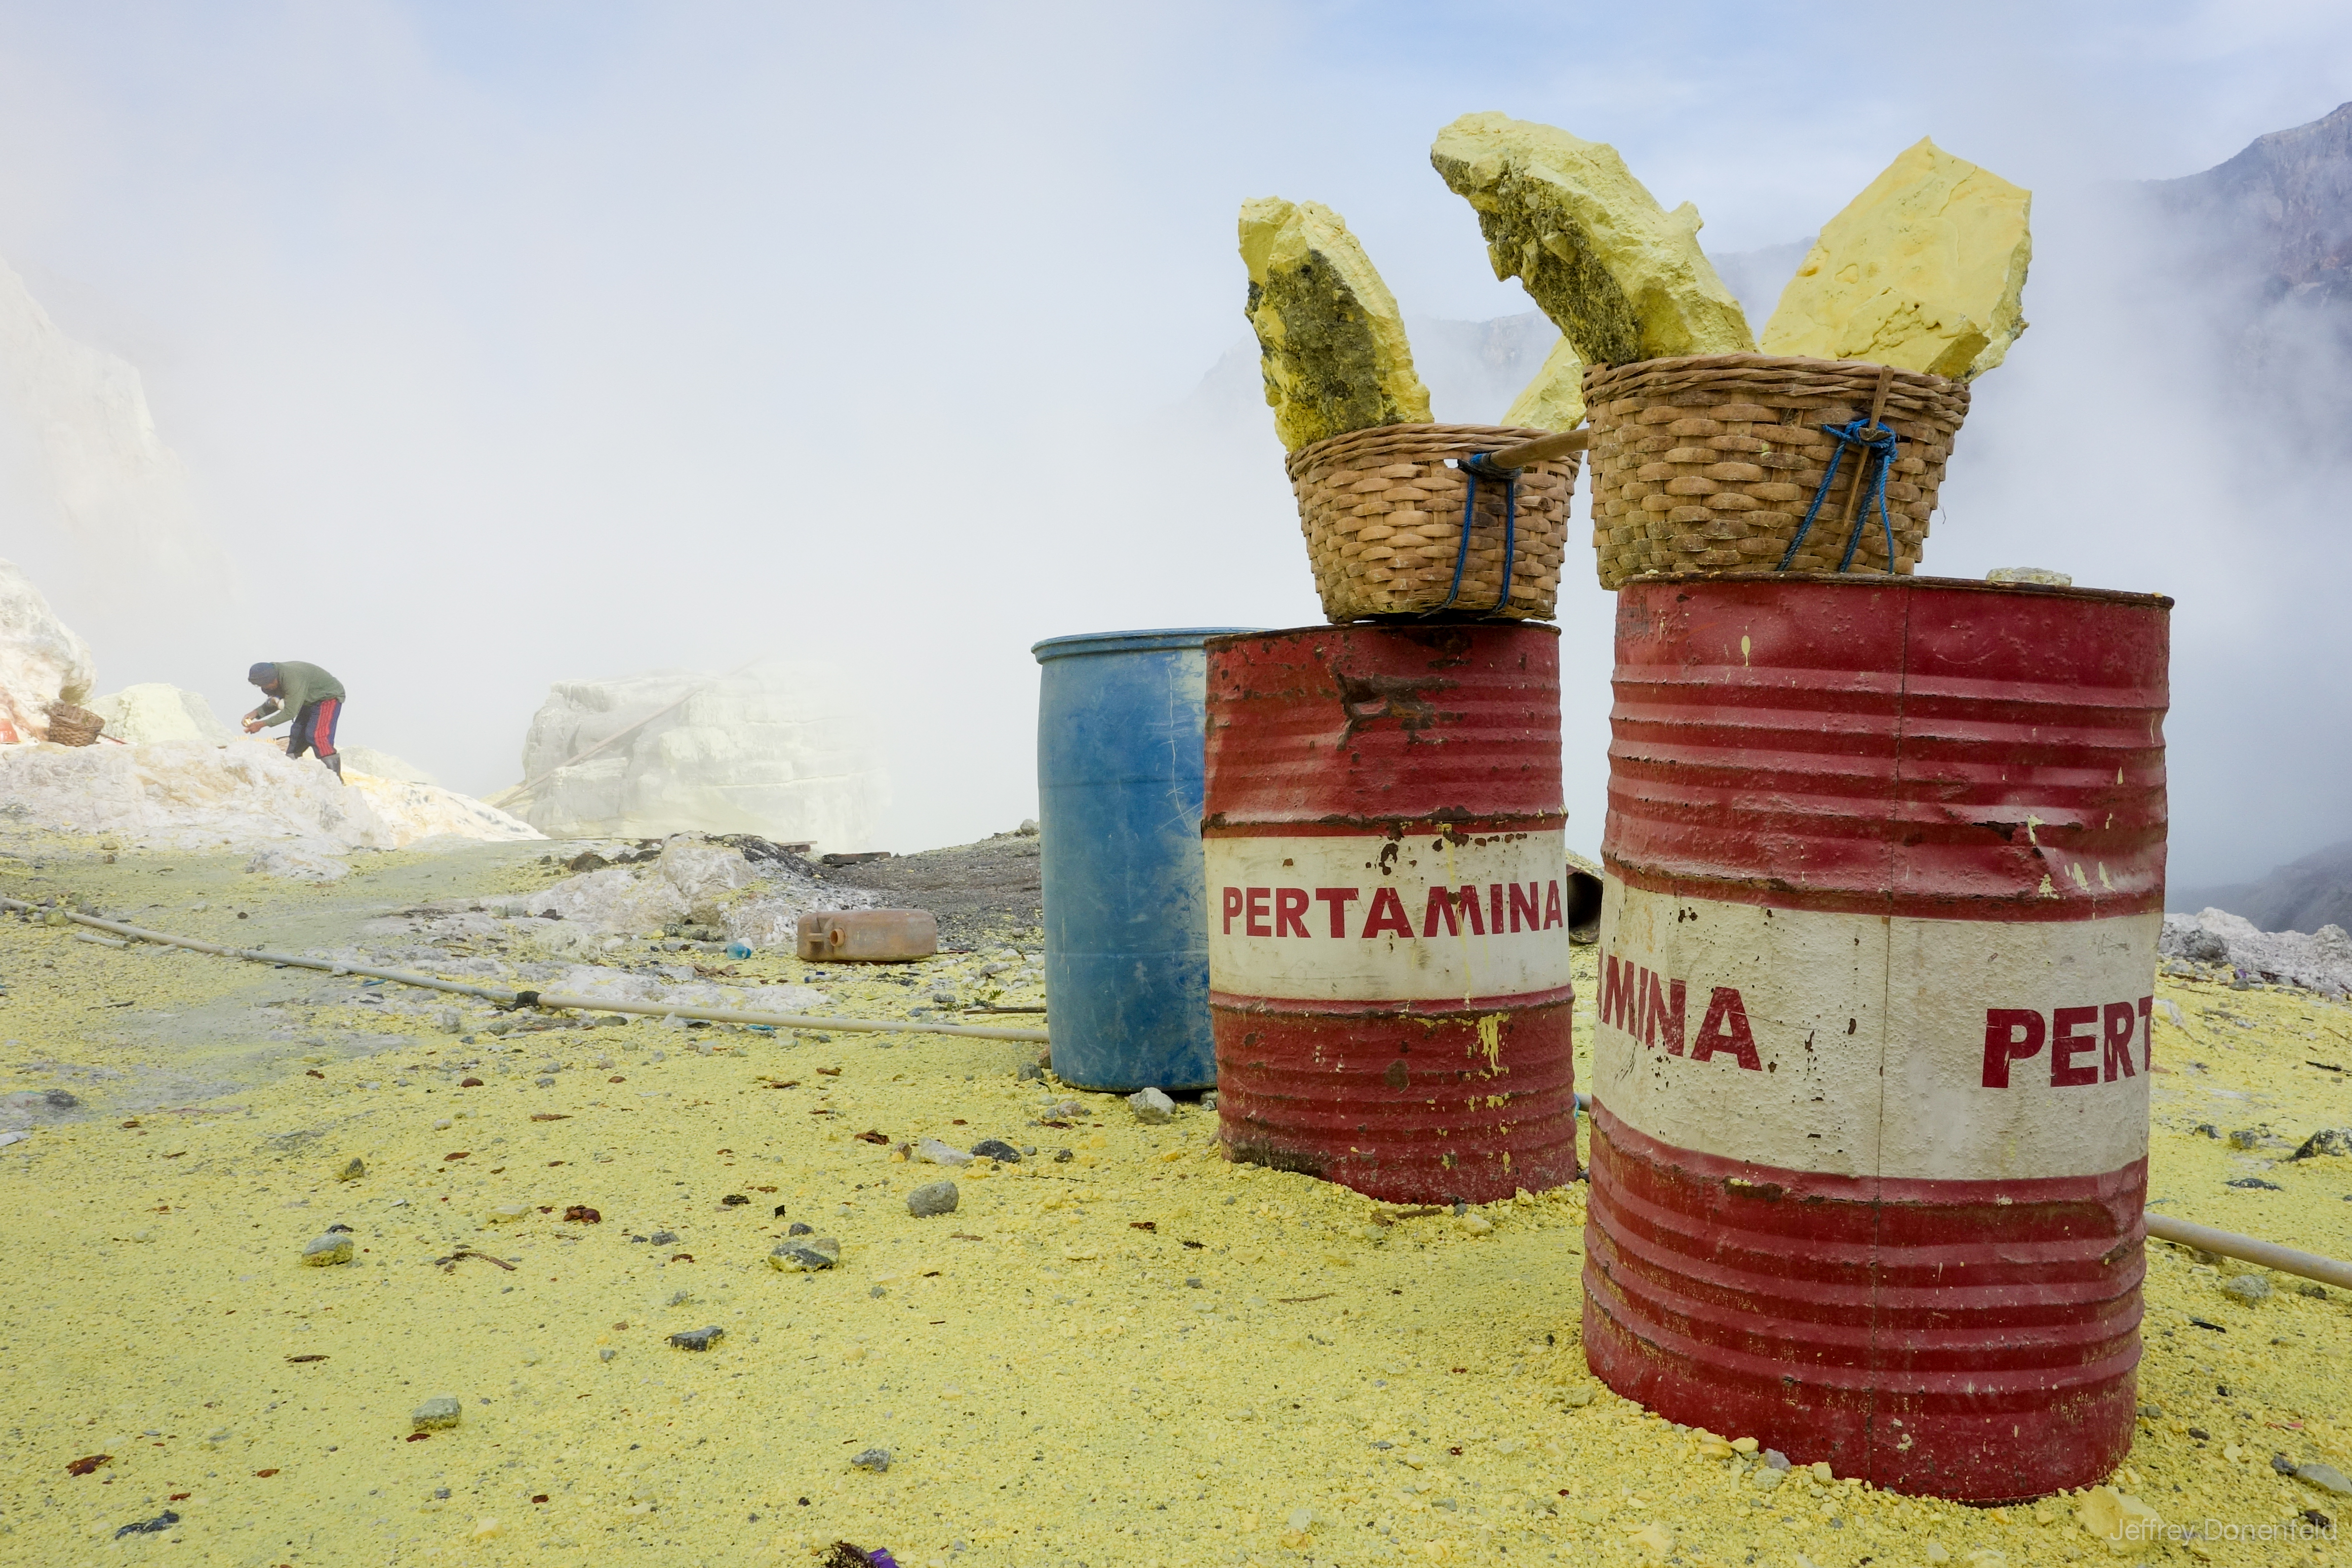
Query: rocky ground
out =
(1117, 1350)
(984, 893)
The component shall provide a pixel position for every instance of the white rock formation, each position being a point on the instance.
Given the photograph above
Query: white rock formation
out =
(155, 711)
(247, 795)
(416, 812)
(774, 750)
(41, 662)
(184, 794)
(2321, 961)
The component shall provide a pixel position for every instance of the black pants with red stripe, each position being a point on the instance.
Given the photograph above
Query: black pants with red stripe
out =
(314, 730)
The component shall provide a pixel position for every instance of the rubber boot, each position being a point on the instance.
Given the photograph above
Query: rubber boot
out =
(334, 761)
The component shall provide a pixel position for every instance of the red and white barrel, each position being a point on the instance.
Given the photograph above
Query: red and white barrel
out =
(1886, 873)
(1387, 907)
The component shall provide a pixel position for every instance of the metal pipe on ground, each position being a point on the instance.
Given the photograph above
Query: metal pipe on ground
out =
(2227, 1243)
(2246, 1250)
(548, 1001)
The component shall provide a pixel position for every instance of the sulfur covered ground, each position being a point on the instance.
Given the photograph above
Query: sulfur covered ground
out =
(1139, 1355)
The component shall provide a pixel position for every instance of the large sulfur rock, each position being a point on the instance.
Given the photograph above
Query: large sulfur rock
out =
(775, 751)
(1554, 400)
(41, 662)
(184, 794)
(1331, 343)
(153, 711)
(1924, 270)
(1622, 278)
(415, 812)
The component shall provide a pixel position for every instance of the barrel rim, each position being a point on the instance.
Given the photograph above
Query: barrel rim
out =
(1155, 639)
(1234, 638)
(1880, 580)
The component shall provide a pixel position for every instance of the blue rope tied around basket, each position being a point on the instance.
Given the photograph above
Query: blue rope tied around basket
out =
(1476, 467)
(1881, 444)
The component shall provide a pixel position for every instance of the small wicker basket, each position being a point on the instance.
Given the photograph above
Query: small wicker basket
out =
(1708, 463)
(1381, 510)
(73, 726)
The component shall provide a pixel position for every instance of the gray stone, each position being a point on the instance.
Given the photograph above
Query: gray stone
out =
(938, 1154)
(2248, 1288)
(817, 1252)
(327, 1250)
(2327, 1141)
(438, 1414)
(353, 1169)
(933, 1198)
(698, 1338)
(1029, 1072)
(1775, 1459)
(2245, 1138)
(1151, 1107)
(1209, 1100)
(607, 1353)
(874, 1460)
(2281, 1464)
(664, 1238)
(1062, 1156)
(996, 1149)
(2041, 575)
(2254, 1185)
(161, 1522)
(798, 1228)
(2326, 1478)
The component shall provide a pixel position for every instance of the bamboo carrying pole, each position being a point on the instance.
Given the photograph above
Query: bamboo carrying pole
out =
(1542, 448)
(550, 1001)
(2228, 1243)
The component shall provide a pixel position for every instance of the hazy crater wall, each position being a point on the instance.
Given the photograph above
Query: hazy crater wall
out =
(774, 751)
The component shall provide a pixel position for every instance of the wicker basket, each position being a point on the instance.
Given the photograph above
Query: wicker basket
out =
(1708, 463)
(1383, 514)
(72, 726)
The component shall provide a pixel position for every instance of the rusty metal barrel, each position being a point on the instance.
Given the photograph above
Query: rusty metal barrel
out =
(1384, 835)
(1885, 873)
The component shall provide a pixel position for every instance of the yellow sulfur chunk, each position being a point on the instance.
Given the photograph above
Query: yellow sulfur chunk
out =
(2127, 1524)
(1554, 400)
(1330, 341)
(1624, 278)
(1924, 270)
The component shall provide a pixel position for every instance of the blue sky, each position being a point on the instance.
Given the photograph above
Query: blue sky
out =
(556, 340)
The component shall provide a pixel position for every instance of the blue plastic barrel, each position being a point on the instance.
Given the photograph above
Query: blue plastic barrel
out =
(1120, 724)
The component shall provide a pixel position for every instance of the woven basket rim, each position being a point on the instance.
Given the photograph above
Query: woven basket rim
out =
(1469, 438)
(1865, 369)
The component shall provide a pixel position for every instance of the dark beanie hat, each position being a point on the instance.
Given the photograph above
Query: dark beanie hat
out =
(261, 675)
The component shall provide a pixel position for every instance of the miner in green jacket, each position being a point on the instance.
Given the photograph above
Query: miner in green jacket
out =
(307, 695)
